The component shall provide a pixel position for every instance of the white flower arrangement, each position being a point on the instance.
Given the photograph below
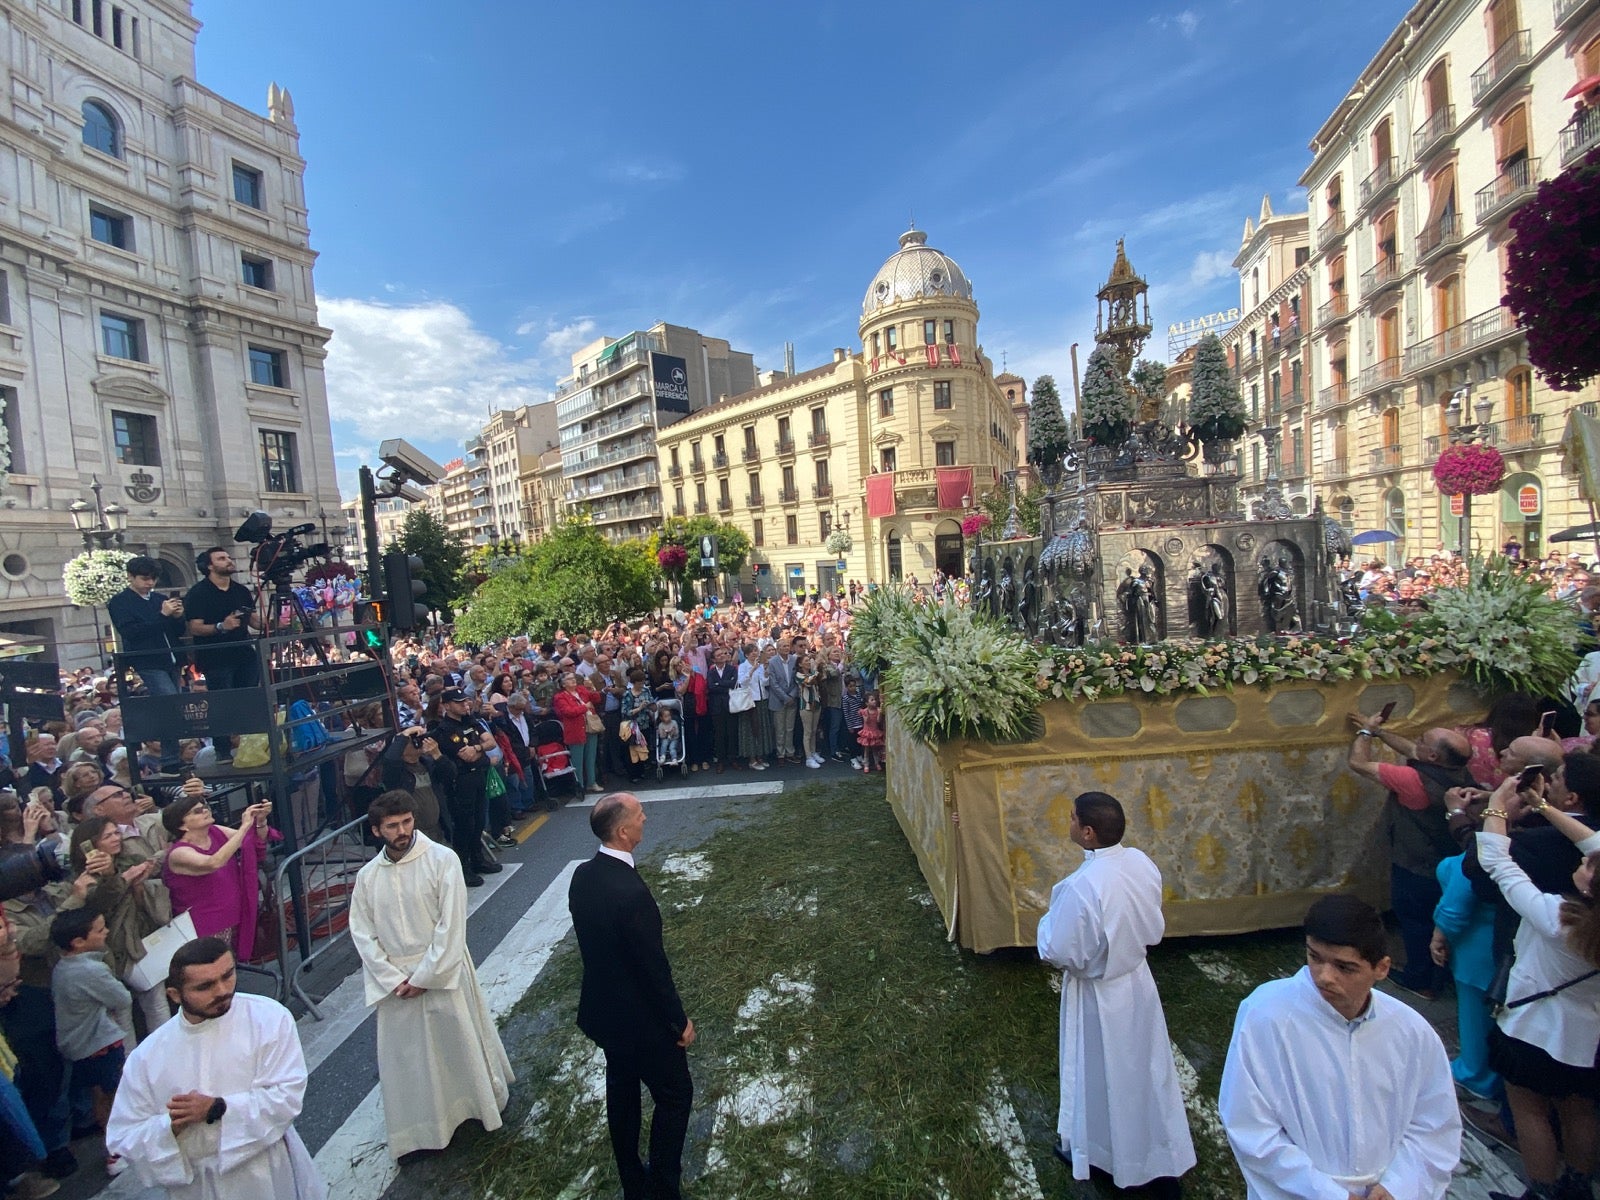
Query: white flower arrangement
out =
(95, 576)
(839, 542)
(5, 445)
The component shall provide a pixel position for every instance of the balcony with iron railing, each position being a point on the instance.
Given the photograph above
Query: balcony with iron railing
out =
(1435, 131)
(1293, 398)
(1580, 135)
(1331, 230)
(822, 491)
(1386, 458)
(755, 500)
(818, 439)
(1336, 309)
(783, 447)
(1568, 11)
(1444, 234)
(724, 504)
(1337, 467)
(675, 471)
(1289, 338)
(1246, 363)
(750, 454)
(1509, 59)
(572, 464)
(701, 508)
(1380, 374)
(649, 506)
(788, 495)
(572, 438)
(1510, 189)
(679, 510)
(1444, 348)
(719, 461)
(1334, 396)
(1380, 277)
(697, 465)
(617, 363)
(1294, 469)
(1519, 433)
(1384, 176)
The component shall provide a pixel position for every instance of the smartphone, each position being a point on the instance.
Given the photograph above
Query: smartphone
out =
(1387, 710)
(1529, 775)
(1547, 722)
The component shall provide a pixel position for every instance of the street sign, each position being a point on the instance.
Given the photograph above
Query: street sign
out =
(842, 564)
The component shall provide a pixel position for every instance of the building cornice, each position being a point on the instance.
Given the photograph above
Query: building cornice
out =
(1278, 295)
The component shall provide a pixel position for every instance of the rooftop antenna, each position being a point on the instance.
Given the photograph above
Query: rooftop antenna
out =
(1002, 362)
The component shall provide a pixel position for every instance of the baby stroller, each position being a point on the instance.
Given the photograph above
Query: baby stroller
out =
(681, 759)
(555, 765)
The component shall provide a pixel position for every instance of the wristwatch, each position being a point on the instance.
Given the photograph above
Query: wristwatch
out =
(214, 1113)
(1365, 733)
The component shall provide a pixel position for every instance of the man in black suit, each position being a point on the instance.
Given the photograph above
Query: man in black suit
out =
(629, 1005)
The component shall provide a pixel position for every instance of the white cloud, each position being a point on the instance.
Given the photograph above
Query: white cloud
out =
(1209, 266)
(1186, 21)
(421, 371)
(641, 171)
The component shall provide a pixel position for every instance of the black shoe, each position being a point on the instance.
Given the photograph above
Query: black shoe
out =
(487, 868)
(1062, 1153)
(473, 879)
(60, 1163)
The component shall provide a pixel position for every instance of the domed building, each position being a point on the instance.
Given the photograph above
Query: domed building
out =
(891, 442)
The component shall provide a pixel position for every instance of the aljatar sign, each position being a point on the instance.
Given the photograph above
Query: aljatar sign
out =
(670, 377)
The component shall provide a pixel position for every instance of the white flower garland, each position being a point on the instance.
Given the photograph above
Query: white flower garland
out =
(95, 576)
(839, 542)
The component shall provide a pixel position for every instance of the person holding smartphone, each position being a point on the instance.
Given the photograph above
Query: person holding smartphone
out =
(1416, 827)
(148, 627)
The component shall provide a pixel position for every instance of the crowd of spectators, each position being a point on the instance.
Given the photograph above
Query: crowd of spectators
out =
(1567, 577)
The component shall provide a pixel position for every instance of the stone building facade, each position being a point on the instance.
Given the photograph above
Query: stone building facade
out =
(893, 442)
(158, 319)
(1413, 181)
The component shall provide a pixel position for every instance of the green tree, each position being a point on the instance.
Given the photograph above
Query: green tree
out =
(442, 555)
(572, 579)
(997, 503)
(1107, 404)
(1048, 438)
(733, 543)
(1149, 381)
(1216, 411)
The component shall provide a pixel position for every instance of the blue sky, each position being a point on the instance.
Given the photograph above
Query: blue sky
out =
(492, 184)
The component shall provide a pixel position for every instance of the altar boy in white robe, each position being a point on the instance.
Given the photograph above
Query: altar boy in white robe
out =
(440, 1058)
(207, 1103)
(1333, 1091)
(1121, 1106)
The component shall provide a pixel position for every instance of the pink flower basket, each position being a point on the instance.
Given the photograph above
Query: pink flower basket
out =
(974, 523)
(1474, 470)
(671, 559)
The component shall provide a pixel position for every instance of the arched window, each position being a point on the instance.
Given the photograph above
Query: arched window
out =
(100, 129)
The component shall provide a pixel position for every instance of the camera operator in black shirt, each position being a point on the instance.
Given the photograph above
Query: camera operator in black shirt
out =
(221, 614)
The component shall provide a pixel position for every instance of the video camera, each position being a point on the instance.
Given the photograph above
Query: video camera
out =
(275, 556)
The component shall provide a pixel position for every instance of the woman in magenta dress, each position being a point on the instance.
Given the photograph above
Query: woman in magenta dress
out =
(211, 870)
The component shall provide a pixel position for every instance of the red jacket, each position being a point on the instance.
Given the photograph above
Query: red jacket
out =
(570, 709)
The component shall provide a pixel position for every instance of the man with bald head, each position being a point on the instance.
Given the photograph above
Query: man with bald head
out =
(628, 1004)
(1416, 824)
(1529, 750)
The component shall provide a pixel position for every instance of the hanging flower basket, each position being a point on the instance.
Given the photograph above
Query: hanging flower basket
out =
(839, 542)
(1474, 470)
(974, 524)
(329, 572)
(672, 559)
(94, 576)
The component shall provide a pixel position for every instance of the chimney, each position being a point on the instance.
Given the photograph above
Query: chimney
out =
(839, 353)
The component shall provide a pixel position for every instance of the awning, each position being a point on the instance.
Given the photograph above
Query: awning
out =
(616, 348)
(880, 495)
(1583, 87)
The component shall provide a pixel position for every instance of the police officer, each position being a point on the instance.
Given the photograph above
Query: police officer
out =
(464, 741)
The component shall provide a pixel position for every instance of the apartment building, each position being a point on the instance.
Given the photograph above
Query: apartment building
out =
(508, 445)
(620, 393)
(1413, 181)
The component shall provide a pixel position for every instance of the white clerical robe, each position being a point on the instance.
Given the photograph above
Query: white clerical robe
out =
(251, 1057)
(1121, 1106)
(1317, 1107)
(440, 1059)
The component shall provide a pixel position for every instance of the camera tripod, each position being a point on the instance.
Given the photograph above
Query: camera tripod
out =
(284, 599)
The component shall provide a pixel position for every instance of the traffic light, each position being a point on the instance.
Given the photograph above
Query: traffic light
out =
(370, 612)
(404, 588)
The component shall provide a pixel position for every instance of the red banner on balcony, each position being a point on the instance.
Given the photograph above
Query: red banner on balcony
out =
(874, 362)
(954, 351)
(880, 495)
(955, 485)
(932, 352)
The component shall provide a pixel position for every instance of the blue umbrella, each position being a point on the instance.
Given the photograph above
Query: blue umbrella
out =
(1373, 536)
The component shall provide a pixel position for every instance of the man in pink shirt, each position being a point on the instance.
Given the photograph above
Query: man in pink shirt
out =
(1415, 819)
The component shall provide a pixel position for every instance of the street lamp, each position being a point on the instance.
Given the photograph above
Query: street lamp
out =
(1463, 433)
(100, 525)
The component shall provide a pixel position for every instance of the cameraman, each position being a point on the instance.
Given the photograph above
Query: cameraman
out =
(412, 763)
(149, 626)
(221, 614)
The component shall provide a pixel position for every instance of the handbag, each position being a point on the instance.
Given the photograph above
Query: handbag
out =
(592, 722)
(159, 947)
(495, 785)
(1508, 1005)
(740, 700)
